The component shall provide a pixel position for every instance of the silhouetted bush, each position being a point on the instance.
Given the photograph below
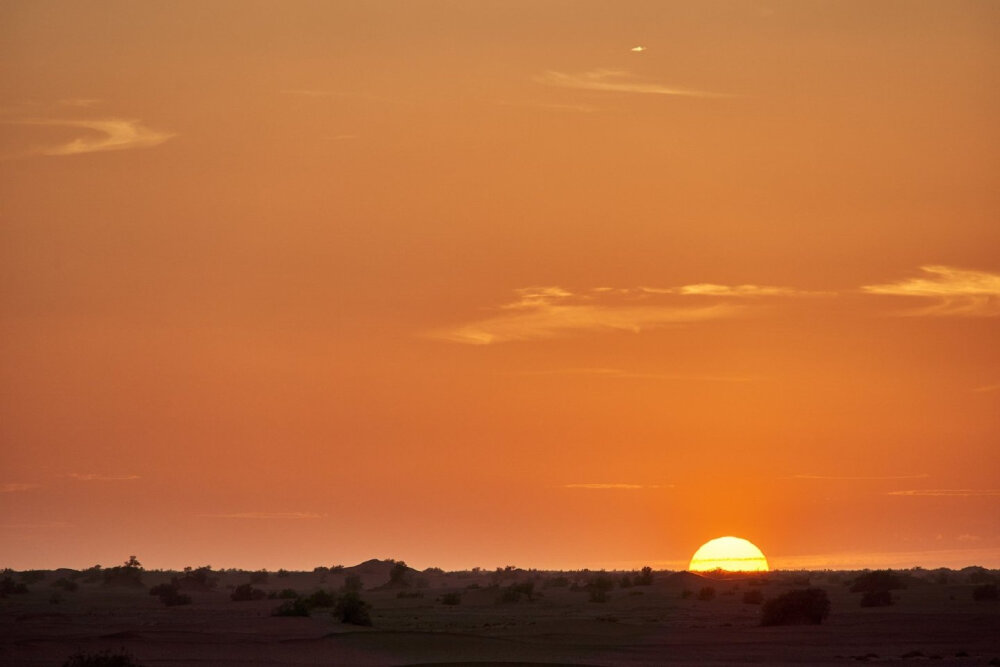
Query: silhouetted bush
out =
(32, 576)
(514, 592)
(259, 577)
(753, 597)
(321, 569)
(686, 593)
(707, 593)
(91, 575)
(399, 575)
(120, 658)
(806, 606)
(876, 599)
(625, 581)
(170, 594)
(246, 592)
(321, 598)
(285, 594)
(129, 574)
(644, 578)
(985, 593)
(599, 587)
(10, 587)
(556, 582)
(451, 598)
(199, 579)
(877, 580)
(296, 607)
(352, 609)
(65, 584)
(352, 584)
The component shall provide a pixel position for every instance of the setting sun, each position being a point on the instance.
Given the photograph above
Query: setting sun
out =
(732, 554)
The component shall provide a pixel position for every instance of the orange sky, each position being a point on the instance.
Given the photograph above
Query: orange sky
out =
(478, 283)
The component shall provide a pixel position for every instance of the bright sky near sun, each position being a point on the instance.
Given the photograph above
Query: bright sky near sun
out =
(508, 282)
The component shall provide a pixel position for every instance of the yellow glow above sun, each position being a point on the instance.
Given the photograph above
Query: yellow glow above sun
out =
(732, 554)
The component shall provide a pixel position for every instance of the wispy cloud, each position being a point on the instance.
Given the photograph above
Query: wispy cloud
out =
(962, 493)
(548, 312)
(16, 487)
(617, 81)
(80, 102)
(579, 108)
(612, 486)
(954, 291)
(618, 373)
(112, 134)
(861, 477)
(988, 387)
(266, 515)
(94, 477)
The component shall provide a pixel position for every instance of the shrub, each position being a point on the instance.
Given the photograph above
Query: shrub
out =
(129, 574)
(557, 582)
(451, 598)
(753, 597)
(352, 609)
(10, 587)
(644, 578)
(286, 594)
(65, 584)
(258, 577)
(985, 593)
(321, 598)
(352, 584)
(513, 592)
(877, 580)
(32, 576)
(296, 607)
(91, 575)
(104, 659)
(625, 581)
(199, 579)
(321, 569)
(707, 594)
(876, 599)
(245, 593)
(805, 606)
(399, 575)
(170, 594)
(599, 588)
(282, 573)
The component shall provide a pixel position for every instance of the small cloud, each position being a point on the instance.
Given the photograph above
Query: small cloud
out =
(617, 373)
(959, 493)
(266, 515)
(637, 49)
(604, 486)
(960, 292)
(16, 487)
(80, 102)
(94, 477)
(965, 537)
(988, 387)
(549, 312)
(861, 477)
(111, 134)
(616, 81)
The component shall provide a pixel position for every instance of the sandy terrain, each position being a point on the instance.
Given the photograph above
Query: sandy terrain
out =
(640, 625)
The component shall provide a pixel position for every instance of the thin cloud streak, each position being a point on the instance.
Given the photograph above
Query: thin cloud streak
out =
(987, 388)
(617, 81)
(607, 486)
(958, 493)
(551, 311)
(294, 516)
(617, 373)
(94, 477)
(860, 477)
(112, 134)
(957, 292)
(16, 487)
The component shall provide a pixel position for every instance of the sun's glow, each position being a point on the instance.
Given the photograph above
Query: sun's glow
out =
(732, 554)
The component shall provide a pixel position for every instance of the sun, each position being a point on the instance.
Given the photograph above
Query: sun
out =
(732, 554)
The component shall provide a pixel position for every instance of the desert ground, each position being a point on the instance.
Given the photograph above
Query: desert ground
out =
(508, 616)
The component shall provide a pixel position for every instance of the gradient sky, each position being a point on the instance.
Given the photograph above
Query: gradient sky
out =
(552, 284)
